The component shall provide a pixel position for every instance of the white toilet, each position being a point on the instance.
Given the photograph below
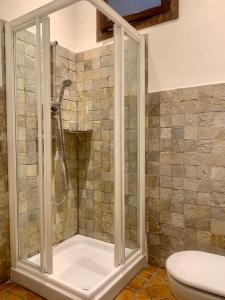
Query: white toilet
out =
(195, 275)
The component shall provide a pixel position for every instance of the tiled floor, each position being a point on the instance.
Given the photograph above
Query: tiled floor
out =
(12, 291)
(149, 284)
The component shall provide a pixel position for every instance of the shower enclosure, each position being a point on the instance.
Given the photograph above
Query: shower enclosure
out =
(76, 132)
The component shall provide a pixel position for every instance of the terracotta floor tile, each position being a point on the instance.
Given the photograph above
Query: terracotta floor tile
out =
(172, 298)
(142, 294)
(145, 274)
(159, 292)
(143, 291)
(7, 285)
(125, 295)
(142, 297)
(11, 296)
(12, 291)
(1, 296)
(149, 284)
(19, 291)
(34, 297)
(151, 269)
(24, 293)
(156, 280)
(162, 273)
(136, 283)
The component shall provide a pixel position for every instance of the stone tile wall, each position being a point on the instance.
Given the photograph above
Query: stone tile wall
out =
(64, 215)
(89, 105)
(27, 145)
(4, 215)
(87, 111)
(90, 161)
(95, 88)
(185, 168)
(95, 77)
(131, 144)
(64, 201)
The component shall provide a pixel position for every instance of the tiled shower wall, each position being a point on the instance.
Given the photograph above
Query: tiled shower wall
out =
(4, 216)
(95, 115)
(87, 111)
(64, 201)
(88, 114)
(96, 151)
(185, 171)
(27, 145)
(131, 59)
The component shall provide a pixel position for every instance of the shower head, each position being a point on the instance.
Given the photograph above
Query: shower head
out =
(56, 106)
(67, 83)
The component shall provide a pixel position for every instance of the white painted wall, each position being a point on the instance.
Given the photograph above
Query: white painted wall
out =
(12, 9)
(73, 27)
(189, 51)
(186, 52)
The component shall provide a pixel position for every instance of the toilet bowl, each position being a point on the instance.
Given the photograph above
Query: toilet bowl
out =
(195, 275)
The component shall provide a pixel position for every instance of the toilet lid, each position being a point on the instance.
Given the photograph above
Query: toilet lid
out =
(200, 270)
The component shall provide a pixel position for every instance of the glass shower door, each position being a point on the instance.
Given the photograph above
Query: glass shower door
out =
(129, 145)
(131, 163)
(31, 141)
(29, 181)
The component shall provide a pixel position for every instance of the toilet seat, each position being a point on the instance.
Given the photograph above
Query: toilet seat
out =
(200, 270)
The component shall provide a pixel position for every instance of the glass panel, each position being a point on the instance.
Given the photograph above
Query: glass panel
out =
(28, 176)
(131, 90)
(134, 6)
